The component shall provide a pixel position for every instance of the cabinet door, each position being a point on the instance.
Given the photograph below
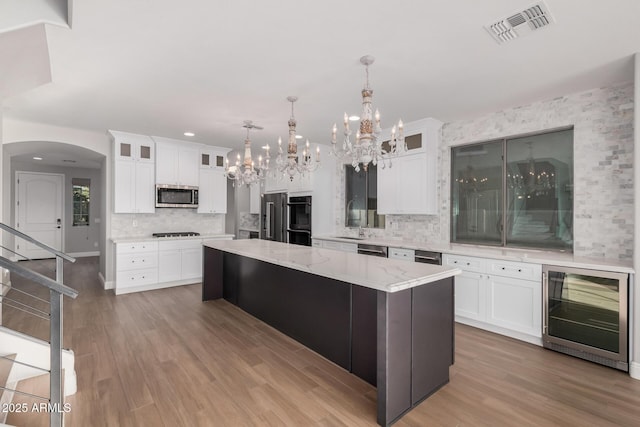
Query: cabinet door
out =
(188, 167)
(254, 199)
(166, 164)
(191, 263)
(206, 191)
(470, 295)
(387, 189)
(515, 304)
(411, 184)
(124, 189)
(145, 188)
(219, 186)
(169, 265)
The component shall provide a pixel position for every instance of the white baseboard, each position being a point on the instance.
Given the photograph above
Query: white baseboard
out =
(502, 331)
(634, 370)
(84, 254)
(154, 286)
(105, 284)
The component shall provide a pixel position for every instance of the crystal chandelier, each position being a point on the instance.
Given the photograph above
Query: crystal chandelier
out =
(248, 173)
(368, 148)
(292, 164)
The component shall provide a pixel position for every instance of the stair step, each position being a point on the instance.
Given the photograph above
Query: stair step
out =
(6, 396)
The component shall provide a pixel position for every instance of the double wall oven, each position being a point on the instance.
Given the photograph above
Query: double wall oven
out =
(299, 230)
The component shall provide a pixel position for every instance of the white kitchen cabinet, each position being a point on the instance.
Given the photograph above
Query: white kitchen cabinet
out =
(402, 253)
(133, 173)
(300, 184)
(177, 163)
(136, 265)
(335, 245)
(275, 184)
(210, 158)
(409, 185)
(212, 193)
(501, 296)
(254, 199)
(180, 260)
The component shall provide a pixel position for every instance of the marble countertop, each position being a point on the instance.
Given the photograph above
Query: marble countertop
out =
(388, 275)
(248, 229)
(159, 239)
(519, 255)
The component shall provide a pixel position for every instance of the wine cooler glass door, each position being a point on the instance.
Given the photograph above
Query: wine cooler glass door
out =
(587, 310)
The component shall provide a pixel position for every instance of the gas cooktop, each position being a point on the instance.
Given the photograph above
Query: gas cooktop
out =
(176, 234)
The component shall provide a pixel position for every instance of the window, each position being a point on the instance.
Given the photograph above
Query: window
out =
(514, 192)
(81, 201)
(361, 198)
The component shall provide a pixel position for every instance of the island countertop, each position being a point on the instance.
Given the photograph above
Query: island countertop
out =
(377, 273)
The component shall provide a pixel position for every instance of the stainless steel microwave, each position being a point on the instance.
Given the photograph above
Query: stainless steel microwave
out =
(176, 196)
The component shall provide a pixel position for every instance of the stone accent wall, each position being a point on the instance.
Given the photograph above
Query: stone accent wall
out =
(603, 163)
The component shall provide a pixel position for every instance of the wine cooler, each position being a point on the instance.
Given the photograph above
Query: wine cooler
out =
(585, 314)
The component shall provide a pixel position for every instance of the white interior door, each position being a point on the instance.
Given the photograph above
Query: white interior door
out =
(39, 208)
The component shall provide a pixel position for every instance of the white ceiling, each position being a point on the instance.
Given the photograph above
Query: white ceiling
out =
(161, 67)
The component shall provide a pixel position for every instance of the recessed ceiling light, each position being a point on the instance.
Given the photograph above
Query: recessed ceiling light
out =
(37, 158)
(298, 136)
(189, 134)
(354, 118)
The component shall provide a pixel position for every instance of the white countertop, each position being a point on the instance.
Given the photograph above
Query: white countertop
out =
(382, 274)
(159, 239)
(519, 255)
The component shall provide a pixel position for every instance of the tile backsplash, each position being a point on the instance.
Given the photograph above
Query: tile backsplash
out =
(165, 220)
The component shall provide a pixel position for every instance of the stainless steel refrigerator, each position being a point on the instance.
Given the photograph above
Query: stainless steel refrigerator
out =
(273, 217)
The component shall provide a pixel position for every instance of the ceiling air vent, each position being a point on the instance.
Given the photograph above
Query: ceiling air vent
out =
(521, 23)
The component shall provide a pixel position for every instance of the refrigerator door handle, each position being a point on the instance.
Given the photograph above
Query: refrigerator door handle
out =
(268, 220)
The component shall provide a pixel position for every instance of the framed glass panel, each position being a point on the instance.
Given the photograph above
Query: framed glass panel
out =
(81, 201)
(476, 193)
(361, 198)
(540, 190)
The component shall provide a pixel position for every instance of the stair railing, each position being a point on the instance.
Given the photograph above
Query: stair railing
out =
(57, 290)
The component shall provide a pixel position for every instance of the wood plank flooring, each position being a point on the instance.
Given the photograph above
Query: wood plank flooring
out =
(164, 358)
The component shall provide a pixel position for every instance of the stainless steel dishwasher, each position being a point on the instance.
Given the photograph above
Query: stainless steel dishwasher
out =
(374, 250)
(428, 257)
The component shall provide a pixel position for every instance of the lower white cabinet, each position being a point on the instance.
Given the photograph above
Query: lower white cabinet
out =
(335, 245)
(402, 253)
(136, 265)
(501, 296)
(145, 265)
(179, 260)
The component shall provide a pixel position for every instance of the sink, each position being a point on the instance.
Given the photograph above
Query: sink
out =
(349, 237)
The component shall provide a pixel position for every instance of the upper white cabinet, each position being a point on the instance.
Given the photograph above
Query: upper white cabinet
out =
(409, 185)
(177, 162)
(254, 199)
(133, 172)
(212, 194)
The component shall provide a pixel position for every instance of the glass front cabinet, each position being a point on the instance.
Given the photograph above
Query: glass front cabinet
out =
(585, 314)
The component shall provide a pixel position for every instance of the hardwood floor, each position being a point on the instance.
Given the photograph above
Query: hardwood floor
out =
(164, 358)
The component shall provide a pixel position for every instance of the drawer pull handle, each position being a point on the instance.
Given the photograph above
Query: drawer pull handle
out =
(455, 262)
(503, 268)
(519, 270)
(468, 263)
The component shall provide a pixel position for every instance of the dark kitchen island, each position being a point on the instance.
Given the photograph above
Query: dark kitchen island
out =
(389, 322)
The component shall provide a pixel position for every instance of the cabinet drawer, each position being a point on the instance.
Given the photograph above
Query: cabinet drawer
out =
(464, 263)
(128, 279)
(126, 248)
(179, 244)
(400, 253)
(135, 261)
(516, 270)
